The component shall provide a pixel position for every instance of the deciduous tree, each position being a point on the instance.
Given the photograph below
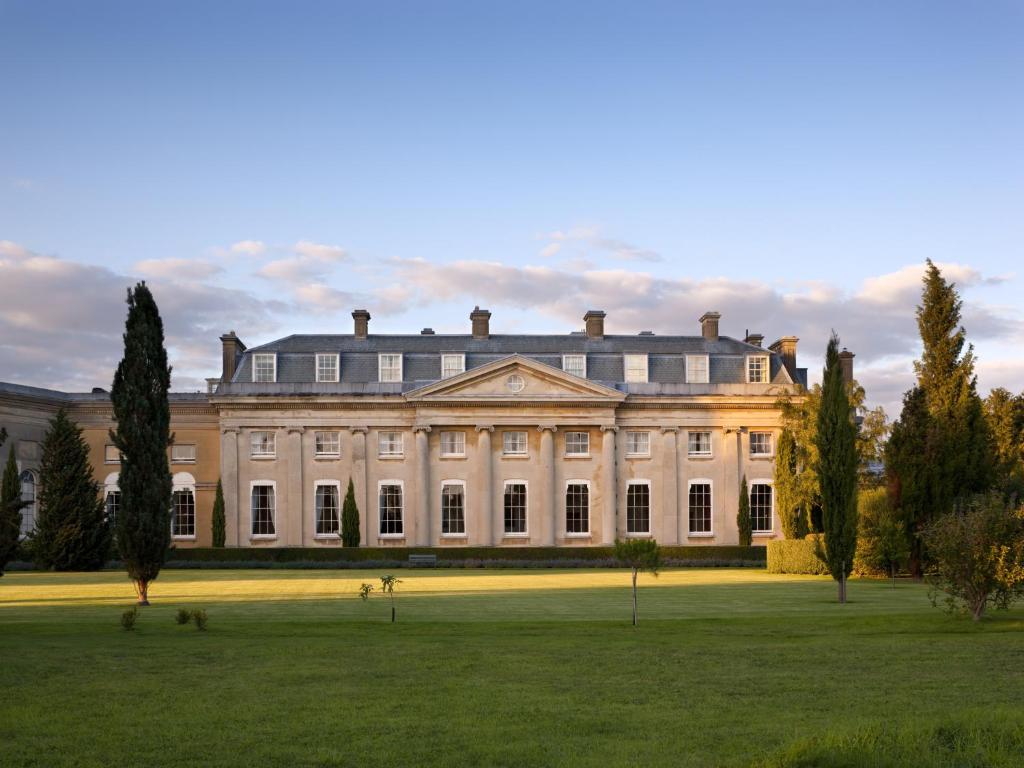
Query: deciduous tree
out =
(788, 498)
(638, 555)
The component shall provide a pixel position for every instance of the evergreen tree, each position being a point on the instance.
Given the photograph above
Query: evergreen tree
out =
(743, 522)
(10, 507)
(837, 470)
(350, 518)
(791, 508)
(906, 462)
(218, 523)
(71, 529)
(143, 415)
(1004, 414)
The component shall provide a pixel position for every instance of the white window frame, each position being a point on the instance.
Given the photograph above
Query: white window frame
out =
(445, 357)
(565, 367)
(337, 367)
(650, 509)
(178, 460)
(691, 378)
(711, 495)
(577, 454)
(633, 454)
(625, 368)
(106, 454)
(317, 453)
(750, 444)
(456, 454)
(30, 513)
(380, 367)
(565, 509)
(336, 484)
(272, 454)
(255, 359)
(252, 519)
(771, 514)
(465, 510)
(401, 485)
(401, 444)
(526, 443)
(525, 534)
(110, 485)
(764, 369)
(694, 454)
(183, 481)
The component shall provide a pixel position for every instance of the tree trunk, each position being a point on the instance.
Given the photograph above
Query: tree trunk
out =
(392, 613)
(977, 610)
(842, 588)
(142, 590)
(916, 564)
(634, 597)
(893, 568)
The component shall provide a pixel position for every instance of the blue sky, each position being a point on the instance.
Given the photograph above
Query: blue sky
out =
(268, 167)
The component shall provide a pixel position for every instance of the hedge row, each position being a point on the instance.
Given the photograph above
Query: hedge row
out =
(795, 556)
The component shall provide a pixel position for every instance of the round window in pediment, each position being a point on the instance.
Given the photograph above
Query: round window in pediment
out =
(515, 383)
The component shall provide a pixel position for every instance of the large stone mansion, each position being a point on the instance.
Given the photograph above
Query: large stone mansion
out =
(449, 440)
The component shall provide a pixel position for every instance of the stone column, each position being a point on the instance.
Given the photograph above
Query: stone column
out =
(485, 493)
(229, 483)
(682, 527)
(424, 530)
(359, 480)
(609, 485)
(549, 510)
(295, 507)
(670, 488)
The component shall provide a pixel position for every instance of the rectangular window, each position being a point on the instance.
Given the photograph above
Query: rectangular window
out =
(638, 443)
(389, 444)
(453, 509)
(264, 368)
(513, 443)
(757, 369)
(453, 443)
(326, 368)
(263, 510)
(183, 517)
(760, 508)
(390, 505)
(515, 508)
(760, 443)
(328, 509)
(327, 443)
(636, 368)
(390, 367)
(699, 504)
(111, 455)
(577, 508)
(575, 364)
(638, 508)
(577, 443)
(452, 365)
(262, 444)
(696, 369)
(112, 506)
(183, 454)
(698, 444)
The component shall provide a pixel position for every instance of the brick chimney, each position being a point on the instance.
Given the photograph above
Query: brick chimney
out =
(846, 363)
(362, 323)
(481, 319)
(595, 323)
(755, 339)
(709, 325)
(232, 349)
(786, 349)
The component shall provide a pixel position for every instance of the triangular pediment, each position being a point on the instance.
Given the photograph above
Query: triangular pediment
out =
(516, 378)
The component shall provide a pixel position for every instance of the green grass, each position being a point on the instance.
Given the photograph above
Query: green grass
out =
(509, 668)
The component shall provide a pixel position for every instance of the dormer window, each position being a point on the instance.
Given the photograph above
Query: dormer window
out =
(390, 364)
(757, 369)
(264, 368)
(635, 368)
(326, 368)
(452, 364)
(696, 369)
(575, 364)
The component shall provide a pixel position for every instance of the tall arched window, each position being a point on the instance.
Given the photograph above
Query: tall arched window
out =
(28, 495)
(112, 497)
(183, 506)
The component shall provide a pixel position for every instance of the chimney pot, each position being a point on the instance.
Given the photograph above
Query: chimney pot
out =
(427, 332)
(231, 350)
(362, 323)
(709, 325)
(594, 320)
(481, 320)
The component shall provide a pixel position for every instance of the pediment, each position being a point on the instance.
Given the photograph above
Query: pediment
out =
(500, 380)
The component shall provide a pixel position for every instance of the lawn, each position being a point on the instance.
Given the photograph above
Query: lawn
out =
(510, 668)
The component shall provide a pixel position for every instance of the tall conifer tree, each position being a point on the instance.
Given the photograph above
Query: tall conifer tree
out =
(744, 524)
(837, 470)
(350, 518)
(791, 506)
(143, 415)
(10, 507)
(219, 534)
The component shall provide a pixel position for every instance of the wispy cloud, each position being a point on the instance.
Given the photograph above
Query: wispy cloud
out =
(588, 241)
(248, 247)
(308, 263)
(182, 270)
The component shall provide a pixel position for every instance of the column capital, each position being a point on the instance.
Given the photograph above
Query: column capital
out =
(296, 430)
(609, 428)
(230, 431)
(484, 427)
(420, 428)
(669, 430)
(358, 430)
(546, 428)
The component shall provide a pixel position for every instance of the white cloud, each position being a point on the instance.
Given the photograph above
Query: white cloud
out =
(248, 247)
(310, 263)
(588, 241)
(182, 270)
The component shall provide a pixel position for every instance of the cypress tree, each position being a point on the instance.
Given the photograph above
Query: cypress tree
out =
(71, 529)
(792, 511)
(143, 415)
(1004, 414)
(217, 523)
(837, 470)
(10, 507)
(743, 522)
(907, 470)
(350, 518)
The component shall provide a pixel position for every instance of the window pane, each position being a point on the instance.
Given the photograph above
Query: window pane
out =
(515, 508)
(28, 495)
(757, 370)
(327, 443)
(638, 443)
(112, 505)
(699, 444)
(327, 368)
(638, 508)
(111, 455)
(262, 444)
(183, 519)
(391, 367)
(390, 504)
(389, 444)
(453, 516)
(761, 507)
(263, 368)
(636, 368)
(575, 364)
(453, 443)
(263, 510)
(577, 508)
(328, 520)
(577, 443)
(514, 443)
(696, 369)
(183, 453)
(760, 443)
(700, 507)
(452, 365)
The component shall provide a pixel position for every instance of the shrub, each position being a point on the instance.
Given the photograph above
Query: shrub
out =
(182, 616)
(365, 590)
(796, 556)
(882, 542)
(128, 619)
(200, 618)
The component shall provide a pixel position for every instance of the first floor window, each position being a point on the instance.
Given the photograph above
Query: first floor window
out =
(326, 368)
(513, 443)
(389, 444)
(184, 453)
(638, 443)
(577, 443)
(328, 520)
(327, 443)
(264, 368)
(453, 509)
(183, 518)
(390, 504)
(452, 365)
(112, 505)
(263, 510)
(699, 503)
(28, 495)
(638, 508)
(577, 508)
(761, 508)
(262, 444)
(453, 443)
(515, 508)
(760, 443)
(699, 444)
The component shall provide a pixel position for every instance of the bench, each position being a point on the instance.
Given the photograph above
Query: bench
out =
(422, 561)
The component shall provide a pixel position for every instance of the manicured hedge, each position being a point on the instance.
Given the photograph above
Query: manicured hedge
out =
(795, 556)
